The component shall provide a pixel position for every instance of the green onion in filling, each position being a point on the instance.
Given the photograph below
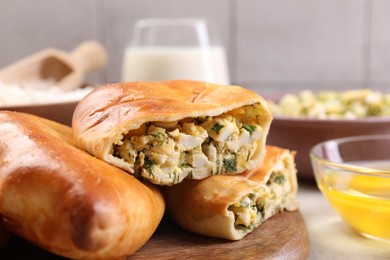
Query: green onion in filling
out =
(242, 226)
(148, 163)
(249, 128)
(230, 164)
(280, 179)
(217, 127)
(261, 207)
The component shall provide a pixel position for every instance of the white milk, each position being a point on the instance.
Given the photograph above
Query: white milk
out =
(172, 63)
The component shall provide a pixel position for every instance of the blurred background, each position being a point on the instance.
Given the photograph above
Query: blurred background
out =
(279, 46)
(270, 44)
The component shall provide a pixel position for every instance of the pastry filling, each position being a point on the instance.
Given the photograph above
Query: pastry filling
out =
(193, 147)
(266, 201)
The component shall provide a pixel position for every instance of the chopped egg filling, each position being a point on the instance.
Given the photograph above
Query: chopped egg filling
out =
(253, 209)
(191, 148)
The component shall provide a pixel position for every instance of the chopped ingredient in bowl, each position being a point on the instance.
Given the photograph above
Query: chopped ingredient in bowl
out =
(44, 92)
(350, 104)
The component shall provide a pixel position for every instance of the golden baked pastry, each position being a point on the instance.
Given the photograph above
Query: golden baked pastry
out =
(168, 131)
(230, 207)
(66, 201)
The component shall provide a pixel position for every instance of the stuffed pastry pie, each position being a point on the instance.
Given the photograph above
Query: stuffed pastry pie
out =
(64, 200)
(168, 131)
(230, 207)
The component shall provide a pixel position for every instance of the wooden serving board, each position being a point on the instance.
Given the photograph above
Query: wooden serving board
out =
(283, 236)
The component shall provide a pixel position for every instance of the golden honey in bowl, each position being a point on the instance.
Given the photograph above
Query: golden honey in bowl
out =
(363, 201)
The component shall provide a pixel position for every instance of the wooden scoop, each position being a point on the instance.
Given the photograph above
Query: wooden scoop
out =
(67, 70)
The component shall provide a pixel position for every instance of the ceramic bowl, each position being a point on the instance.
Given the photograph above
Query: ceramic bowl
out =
(301, 134)
(53, 103)
(354, 175)
(61, 112)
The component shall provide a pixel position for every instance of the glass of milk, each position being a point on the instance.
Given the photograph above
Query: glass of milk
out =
(174, 49)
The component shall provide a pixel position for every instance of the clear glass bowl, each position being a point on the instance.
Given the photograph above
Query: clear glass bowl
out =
(354, 175)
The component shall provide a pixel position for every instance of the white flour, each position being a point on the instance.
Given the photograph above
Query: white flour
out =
(40, 93)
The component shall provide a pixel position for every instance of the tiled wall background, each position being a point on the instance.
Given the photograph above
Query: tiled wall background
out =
(271, 44)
